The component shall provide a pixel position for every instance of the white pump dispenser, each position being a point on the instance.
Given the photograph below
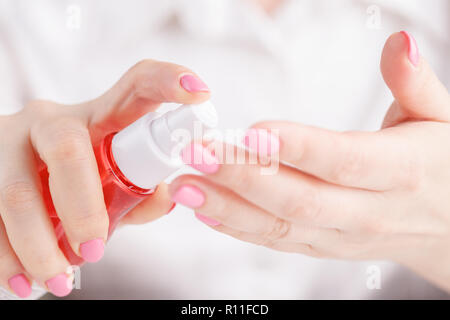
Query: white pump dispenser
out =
(147, 151)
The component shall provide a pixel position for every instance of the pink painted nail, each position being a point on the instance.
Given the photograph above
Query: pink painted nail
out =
(20, 285)
(200, 158)
(207, 220)
(189, 196)
(262, 141)
(193, 84)
(60, 285)
(413, 49)
(92, 251)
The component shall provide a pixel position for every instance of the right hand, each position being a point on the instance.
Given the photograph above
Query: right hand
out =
(62, 137)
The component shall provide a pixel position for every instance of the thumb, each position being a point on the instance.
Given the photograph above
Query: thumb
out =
(141, 90)
(417, 91)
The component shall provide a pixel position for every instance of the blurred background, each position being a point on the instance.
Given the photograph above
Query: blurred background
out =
(315, 62)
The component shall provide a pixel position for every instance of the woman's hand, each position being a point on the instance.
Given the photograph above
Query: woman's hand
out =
(62, 136)
(352, 195)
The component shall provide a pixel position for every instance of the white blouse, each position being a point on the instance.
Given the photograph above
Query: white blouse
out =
(315, 62)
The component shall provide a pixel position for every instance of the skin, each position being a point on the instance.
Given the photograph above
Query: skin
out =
(350, 195)
(62, 137)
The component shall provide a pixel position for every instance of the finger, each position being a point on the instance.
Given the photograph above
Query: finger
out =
(64, 145)
(156, 206)
(418, 92)
(375, 161)
(290, 247)
(29, 229)
(226, 207)
(12, 274)
(142, 89)
(287, 193)
(222, 207)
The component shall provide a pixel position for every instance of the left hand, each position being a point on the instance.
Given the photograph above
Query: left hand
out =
(352, 195)
(63, 138)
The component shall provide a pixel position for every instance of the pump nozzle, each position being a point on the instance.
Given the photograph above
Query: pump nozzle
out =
(189, 120)
(187, 115)
(143, 150)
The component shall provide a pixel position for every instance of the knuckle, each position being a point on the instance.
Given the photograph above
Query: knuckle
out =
(143, 73)
(69, 141)
(139, 78)
(278, 231)
(304, 206)
(141, 66)
(87, 223)
(87, 219)
(18, 196)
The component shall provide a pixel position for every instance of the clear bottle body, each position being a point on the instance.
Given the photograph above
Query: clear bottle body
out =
(120, 196)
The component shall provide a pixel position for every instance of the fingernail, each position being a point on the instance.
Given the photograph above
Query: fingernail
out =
(189, 196)
(207, 220)
(60, 285)
(192, 83)
(200, 158)
(413, 49)
(92, 251)
(20, 285)
(262, 141)
(172, 207)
